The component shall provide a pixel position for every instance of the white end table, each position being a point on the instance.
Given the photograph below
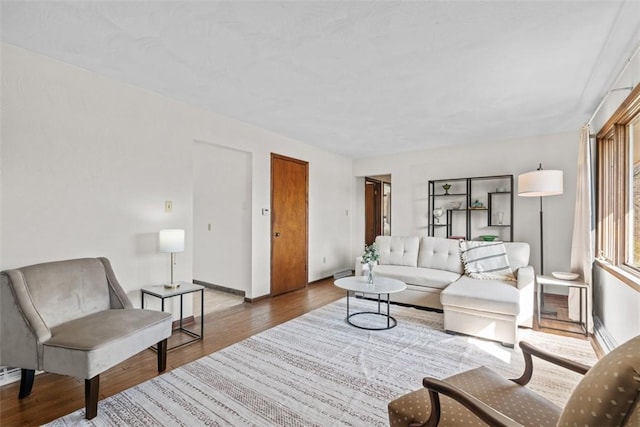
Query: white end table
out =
(160, 291)
(380, 286)
(584, 296)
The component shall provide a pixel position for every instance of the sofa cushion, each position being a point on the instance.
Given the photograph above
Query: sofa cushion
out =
(396, 250)
(441, 254)
(430, 277)
(484, 295)
(86, 346)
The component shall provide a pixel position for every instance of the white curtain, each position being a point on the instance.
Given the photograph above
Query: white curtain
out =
(582, 245)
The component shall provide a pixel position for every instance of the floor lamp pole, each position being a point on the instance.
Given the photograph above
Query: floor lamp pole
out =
(541, 240)
(542, 309)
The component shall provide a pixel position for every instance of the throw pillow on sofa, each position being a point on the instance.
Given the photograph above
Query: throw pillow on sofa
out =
(485, 260)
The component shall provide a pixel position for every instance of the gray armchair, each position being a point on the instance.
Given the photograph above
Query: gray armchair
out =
(73, 318)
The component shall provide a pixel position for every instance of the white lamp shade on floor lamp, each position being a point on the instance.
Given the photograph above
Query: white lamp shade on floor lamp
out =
(540, 183)
(171, 241)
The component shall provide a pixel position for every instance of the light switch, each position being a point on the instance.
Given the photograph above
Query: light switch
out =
(168, 206)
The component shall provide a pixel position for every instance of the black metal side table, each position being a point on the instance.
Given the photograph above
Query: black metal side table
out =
(163, 293)
(584, 300)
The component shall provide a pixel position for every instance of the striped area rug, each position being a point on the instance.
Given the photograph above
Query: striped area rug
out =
(317, 370)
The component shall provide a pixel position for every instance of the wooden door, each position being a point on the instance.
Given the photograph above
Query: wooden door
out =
(372, 210)
(289, 224)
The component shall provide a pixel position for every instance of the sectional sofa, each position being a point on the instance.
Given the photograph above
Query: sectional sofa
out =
(434, 272)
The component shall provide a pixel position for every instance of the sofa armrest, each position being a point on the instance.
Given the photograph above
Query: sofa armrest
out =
(526, 282)
(525, 277)
(359, 265)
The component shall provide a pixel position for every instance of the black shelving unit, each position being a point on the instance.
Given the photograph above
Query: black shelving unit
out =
(492, 190)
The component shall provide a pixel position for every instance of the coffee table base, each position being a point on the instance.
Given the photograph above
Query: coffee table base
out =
(391, 321)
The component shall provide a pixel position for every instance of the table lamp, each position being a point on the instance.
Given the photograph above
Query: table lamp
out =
(171, 241)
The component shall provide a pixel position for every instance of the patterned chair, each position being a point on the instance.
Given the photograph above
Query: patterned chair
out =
(607, 395)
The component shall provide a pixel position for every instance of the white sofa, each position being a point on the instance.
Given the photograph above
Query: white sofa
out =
(434, 273)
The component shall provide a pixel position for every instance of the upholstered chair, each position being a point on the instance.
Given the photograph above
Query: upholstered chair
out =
(607, 395)
(73, 318)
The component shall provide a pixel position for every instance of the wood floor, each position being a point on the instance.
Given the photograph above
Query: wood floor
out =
(54, 395)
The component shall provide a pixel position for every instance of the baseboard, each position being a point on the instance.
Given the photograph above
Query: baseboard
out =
(219, 288)
(322, 279)
(602, 336)
(257, 298)
(10, 375)
(185, 321)
(269, 295)
(343, 273)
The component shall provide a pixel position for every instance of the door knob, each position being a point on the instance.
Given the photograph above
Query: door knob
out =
(276, 234)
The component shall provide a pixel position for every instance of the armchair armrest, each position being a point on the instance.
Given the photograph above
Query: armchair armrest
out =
(28, 312)
(117, 296)
(479, 408)
(22, 328)
(529, 350)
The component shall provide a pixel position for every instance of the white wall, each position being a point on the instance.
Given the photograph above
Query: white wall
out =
(411, 172)
(87, 163)
(617, 305)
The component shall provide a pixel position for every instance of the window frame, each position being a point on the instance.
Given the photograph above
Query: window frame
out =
(613, 191)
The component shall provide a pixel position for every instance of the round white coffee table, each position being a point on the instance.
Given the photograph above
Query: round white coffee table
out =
(380, 286)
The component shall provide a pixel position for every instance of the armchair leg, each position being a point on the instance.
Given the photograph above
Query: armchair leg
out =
(26, 382)
(91, 388)
(162, 355)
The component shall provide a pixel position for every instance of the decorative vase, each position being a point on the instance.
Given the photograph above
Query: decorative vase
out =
(437, 213)
(370, 273)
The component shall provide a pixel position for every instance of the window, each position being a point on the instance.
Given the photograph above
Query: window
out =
(618, 189)
(634, 197)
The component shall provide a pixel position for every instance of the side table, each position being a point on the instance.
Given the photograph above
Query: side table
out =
(584, 296)
(159, 291)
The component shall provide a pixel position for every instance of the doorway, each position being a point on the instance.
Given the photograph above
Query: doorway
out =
(222, 217)
(289, 224)
(377, 207)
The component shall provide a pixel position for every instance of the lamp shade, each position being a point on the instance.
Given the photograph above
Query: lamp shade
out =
(171, 240)
(540, 183)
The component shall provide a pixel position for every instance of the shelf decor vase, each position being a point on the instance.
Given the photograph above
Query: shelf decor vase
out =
(446, 188)
(370, 273)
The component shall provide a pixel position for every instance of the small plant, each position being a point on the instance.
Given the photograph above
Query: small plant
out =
(370, 254)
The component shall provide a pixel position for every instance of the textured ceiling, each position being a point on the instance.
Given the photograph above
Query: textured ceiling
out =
(358, 78)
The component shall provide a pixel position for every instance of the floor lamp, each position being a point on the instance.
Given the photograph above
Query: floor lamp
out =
(540, 183)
